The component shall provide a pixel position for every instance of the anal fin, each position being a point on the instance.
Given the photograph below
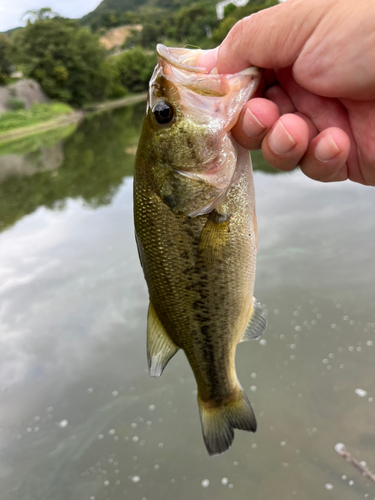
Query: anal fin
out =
(257, 323)
(160, 347)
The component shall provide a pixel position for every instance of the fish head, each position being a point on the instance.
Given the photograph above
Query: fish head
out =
(189, 116)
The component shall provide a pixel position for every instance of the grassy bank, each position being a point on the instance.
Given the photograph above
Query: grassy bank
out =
(36, 114)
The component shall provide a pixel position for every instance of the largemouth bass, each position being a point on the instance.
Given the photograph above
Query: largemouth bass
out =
(196, 233)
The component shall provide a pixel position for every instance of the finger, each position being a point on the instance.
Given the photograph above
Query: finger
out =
(326, 156)
(256, 119)
(255, 40)
(287, 142)
(324, 112)
(278, 95)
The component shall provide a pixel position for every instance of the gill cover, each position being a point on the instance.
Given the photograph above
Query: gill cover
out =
(191, 114)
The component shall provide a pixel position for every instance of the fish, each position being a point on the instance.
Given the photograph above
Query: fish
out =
(195, 229)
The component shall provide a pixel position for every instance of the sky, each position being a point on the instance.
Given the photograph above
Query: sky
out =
(11, 11)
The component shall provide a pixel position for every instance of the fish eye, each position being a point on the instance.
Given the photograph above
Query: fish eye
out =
(163, 112)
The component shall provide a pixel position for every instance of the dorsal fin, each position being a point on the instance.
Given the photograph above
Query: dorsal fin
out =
(257, 323)
(160, 347)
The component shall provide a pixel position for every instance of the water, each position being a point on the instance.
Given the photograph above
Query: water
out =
(81, 419)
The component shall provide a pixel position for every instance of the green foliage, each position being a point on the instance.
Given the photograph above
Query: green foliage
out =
(67, 61)
(37, 113)
(14, 103)
(134, 68)
(228, 9)
(5, 55)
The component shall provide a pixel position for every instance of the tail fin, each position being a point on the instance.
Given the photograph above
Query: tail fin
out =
(218, 422)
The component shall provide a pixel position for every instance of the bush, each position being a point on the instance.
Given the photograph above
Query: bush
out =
(14, 103)
(134, 68)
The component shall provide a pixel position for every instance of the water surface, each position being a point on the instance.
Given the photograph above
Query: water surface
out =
(80, 417)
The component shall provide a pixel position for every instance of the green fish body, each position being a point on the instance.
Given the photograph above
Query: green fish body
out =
(195, 225)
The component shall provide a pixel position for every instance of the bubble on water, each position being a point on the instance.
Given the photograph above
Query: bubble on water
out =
(263, 342)
(49, 409)
(111, 432)
(329, 486)
(253, 375)
(152, 407)
(331, 355)
(156, 467)
(134, 425)
(254, 445)
(135, 439)
(37, 418)
(136, 479)
(230, 486)
(370, 400)
(90, 390)
(115, 393)
(224, 481)
(282, 336)
(115, 438)
(205, 483)
(325, 361)
(106, 483)
(160, 445)
(36, 429)
(283, 443)
(297, 328)
(101, 436)
(293, 346)
(235, 463)
(369, 343)
(343, 477)
(361, 393)
(29, 429)
(92, 498)
(342, 366)
(351, 482)
(253, 388)
(63, 423)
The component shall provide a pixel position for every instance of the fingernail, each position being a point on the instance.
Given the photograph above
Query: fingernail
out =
(251, 126)
(280, 141)
(326, 149)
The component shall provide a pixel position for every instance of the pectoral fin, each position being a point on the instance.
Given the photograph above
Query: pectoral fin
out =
(257, 323)
(160, 348)
(214, 237)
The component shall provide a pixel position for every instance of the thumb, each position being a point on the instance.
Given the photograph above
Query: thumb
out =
(271, 38)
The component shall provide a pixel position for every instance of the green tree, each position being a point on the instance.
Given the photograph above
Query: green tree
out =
(5, 56)
(67, 60)
(134, 68)
(228, 9)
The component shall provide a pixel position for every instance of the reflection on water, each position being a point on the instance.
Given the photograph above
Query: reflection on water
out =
(81, 418)
(89, 164)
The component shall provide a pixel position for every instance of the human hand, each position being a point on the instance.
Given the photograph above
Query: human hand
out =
(316, 105)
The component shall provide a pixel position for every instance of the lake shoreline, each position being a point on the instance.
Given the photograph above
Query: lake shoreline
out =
(70, 118)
